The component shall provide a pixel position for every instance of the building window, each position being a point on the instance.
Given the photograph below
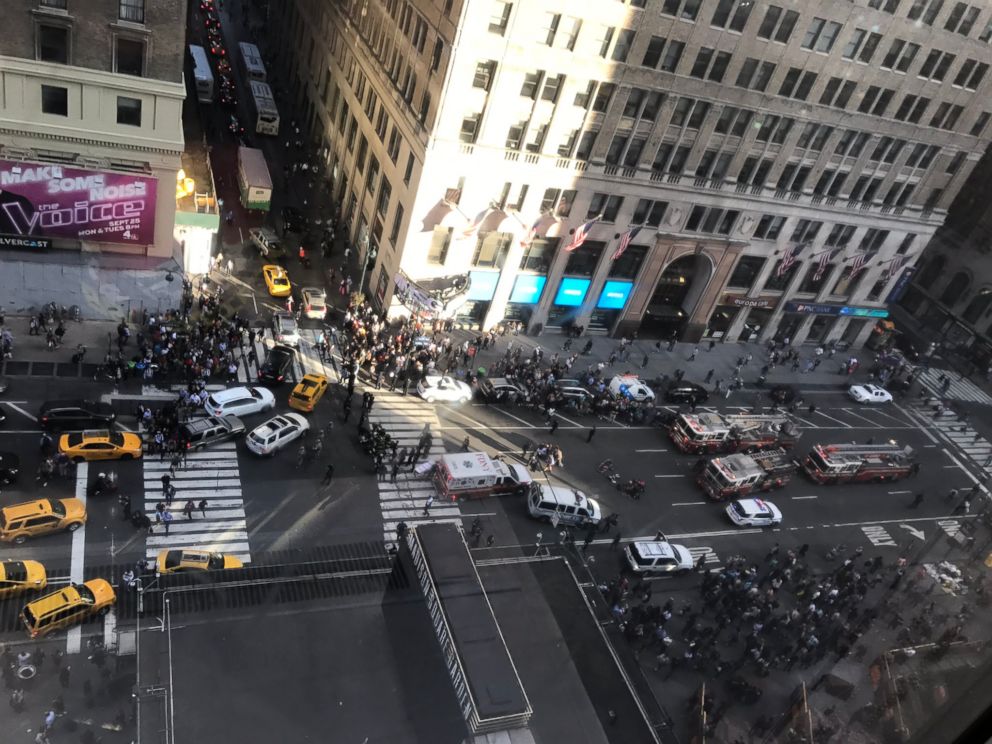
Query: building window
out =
(755, 75)
(550, 29)
(408, 173)
(685, 9)
(980, 123)
(776, 283)
(469, 129)
(60, 4)
(537, 136)
(515, 135)
(131, 10)
(840, 235)
(484, 72)
(54, 100)
(500, 17)
(900, 55)
(778, 26)
(130, 59)
(769, 228)
(129, 111)
(603, 97)
(652, 55)
(806, 231)
(649, 212)
(552, 87)
(564, 208)
(437, 54)
(491, 250)
(971, 74)
(630, 262)
(605, 39)
(53, 43)
(537, 255)
(746, 271)
(394, 232)
(625, 39)
(532, 83)
(906, 244)
(711, 220)
(604, 206)
(873, 239)
(385, 193)
(741, 10)
(821, 35)
(586, 144)
(584, 259)
(961, 19)
(673, 55)
(440, 242)
(710, 65)
(936, 65)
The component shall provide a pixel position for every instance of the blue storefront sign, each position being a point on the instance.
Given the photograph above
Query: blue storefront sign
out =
(812, 308)
(483, 285)
(901, 285)
(571, 292)
(614, 295)
(527, 289)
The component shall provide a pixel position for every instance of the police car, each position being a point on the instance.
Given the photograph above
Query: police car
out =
(753, 513)
(630, 386)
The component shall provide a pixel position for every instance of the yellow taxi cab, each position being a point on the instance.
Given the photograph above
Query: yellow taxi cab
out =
(17, 577)
(308, 392)
(67, 606)
(18, 522)
(179, 561)
(100, 444)
(277, 280)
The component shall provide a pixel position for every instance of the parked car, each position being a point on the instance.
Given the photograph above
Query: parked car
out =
(284, 329)
(75, 414)
(685, 391)
(500, 390)
(204, 431)
(240, 401)
(314, 303)
(266, 242)
(277, 365)
(276, 433)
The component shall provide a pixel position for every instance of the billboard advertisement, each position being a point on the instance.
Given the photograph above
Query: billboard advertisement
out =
(40, 202)
(571, 292)
(614, 295)
(527, 289)
(483, 285)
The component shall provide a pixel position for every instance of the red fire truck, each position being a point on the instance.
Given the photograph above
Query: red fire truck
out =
(843, 463)
(700, 433)
(736, 475)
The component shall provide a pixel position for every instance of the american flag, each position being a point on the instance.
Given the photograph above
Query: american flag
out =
(859, 263)
(581, 234)
(473, 227)
(825, 258)
(894, 265)
(531, 233)
(788, 260)
(625, 241)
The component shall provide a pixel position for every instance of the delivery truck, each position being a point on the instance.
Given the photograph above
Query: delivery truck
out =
(254, 181)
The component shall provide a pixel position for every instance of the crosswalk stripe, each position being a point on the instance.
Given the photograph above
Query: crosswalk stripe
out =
(959, 389)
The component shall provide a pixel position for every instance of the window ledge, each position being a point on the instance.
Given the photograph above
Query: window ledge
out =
(54, 14)
(129, 27)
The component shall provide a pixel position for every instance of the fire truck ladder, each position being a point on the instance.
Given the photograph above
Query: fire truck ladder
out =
(746, 422)
(861, 450)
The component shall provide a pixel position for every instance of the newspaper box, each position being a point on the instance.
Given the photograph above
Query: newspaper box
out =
(475, 475)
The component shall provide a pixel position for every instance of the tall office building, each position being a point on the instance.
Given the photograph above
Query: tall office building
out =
(91, 95)
(769, 169)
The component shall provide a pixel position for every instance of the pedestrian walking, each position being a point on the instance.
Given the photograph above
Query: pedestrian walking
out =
(554, 426)
(188, 509)
(167, 520)
(695, 351)
(170, 494)
(428, 504)
(592, 433)
(466, 444)
(301, 455)
(709, 376)
(328, 475)
(525, 448)
(615, 544)
(65, 675)
(917, 500)
(203, 508)
(395, 471)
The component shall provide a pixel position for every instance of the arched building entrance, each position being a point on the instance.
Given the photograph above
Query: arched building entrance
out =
(679, 289)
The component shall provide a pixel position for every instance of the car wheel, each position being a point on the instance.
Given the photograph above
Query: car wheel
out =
(20, 539)
(104, 611)
(74, 526)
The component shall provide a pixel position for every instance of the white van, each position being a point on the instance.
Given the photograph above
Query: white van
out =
(569, 506)
(657, 557)
(240, 401)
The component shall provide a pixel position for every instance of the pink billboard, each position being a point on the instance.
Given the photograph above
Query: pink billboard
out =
(40, 202)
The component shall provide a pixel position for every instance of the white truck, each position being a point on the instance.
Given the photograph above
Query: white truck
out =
(475, 475)
(254, 182)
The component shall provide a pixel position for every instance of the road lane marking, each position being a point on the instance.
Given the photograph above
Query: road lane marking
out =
(677, 475)
(800, 498)
(899, 492)
(651, 450)
(21, 411)
(689, 503)
(858, 415)
(843, 423)
(74, 637)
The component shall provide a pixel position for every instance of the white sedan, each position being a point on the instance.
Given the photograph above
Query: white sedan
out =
(869, 394)
(753, 513)
(314, 302)
(434, 387)
(284, 328)
(276, 433)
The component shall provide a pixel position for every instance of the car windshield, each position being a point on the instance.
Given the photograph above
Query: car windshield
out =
(280, 281)
(173, 558)
(15, 571)
(57, 507)
(739, 509)
(116, 439)
(255, 393)
(85, 595)
(215, 561)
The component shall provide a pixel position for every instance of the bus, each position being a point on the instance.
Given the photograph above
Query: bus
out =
(266, 113)
(202, 75)
(251, 62)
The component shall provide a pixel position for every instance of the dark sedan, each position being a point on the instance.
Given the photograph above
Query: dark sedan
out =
(277, 365)
(686, 392)
(76, 414)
